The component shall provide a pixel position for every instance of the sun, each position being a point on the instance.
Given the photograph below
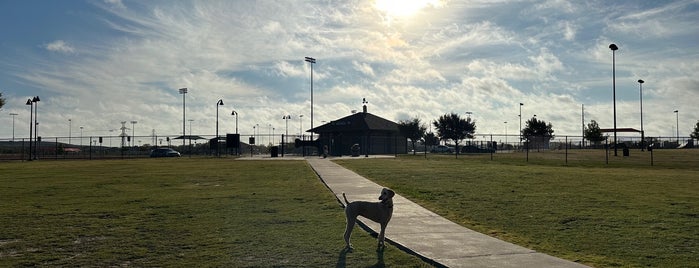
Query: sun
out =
(403, 8)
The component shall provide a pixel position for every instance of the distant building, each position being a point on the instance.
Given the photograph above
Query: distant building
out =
(372, 134)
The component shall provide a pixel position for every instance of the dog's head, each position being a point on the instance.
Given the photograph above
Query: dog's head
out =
(386, 194)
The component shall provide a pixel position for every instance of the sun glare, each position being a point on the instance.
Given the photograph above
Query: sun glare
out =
(403, 8)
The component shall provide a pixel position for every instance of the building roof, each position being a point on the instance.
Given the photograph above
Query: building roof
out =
(361, 121)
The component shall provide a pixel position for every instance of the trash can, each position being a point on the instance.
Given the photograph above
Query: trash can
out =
(274, 151)
(626, 151)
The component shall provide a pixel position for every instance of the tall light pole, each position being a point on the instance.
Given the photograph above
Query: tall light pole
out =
(31, 125)
(520, 124)
(190, 136)
(36, 100)
(677, 117)
(133, 133)
(614, 48)
(286, 118)
(236, 121)
(13, 126)
(81, 137)
(640, 90)
(183, 91)
(505, 132)
(218, 103)
(300, 125)
(311, 61)
(70, 129)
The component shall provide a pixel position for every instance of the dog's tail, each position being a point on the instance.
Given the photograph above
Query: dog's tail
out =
(344, 196)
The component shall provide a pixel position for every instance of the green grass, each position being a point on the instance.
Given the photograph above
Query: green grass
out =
(176, 212)
(625, 214)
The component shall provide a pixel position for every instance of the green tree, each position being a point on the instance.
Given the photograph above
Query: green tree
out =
(2, 101)
(453, 127)
(537, 132)
(593, 132)
(412, 129)
(695, 133)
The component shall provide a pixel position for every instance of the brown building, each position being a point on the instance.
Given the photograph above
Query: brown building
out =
(371, 134)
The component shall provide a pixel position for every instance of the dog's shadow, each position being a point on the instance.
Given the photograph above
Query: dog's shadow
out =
(342, 259)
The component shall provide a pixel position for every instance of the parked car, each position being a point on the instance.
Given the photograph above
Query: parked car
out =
(442, 149)
(164, 152)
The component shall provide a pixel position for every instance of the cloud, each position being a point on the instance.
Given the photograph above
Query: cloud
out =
(59, 46)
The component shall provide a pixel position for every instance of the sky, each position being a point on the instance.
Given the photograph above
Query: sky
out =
(100, 62)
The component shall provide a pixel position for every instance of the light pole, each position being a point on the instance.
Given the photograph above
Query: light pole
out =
(13, 126)
(70, 128)
(505, 132)
(614, 48)
(236, 121)
(520, 124)
(640, 90)
(677, 117)
(269, 133)
(81, 137)
(218, 103)
(190, 136)
(183, 91)
(31, 128)
(133, 133)
(311, 61)
(36, 100)
(300, 125)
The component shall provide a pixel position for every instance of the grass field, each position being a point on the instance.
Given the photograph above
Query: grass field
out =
(176, 212)
(622, 214)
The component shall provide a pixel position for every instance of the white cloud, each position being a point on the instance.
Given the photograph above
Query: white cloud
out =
(59, 46)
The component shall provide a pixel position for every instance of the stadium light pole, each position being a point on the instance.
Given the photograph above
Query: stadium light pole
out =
(640, 90)
(520, 124)
(36, 101)
(311, 61)
(183, 91)
(614, 48)
(31, 123)
(236, 121)
(133, 133)
(13, 126)
(218, 103)
(677, 117)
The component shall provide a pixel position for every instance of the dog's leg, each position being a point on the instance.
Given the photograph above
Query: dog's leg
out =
(351, 219)
(381, 246)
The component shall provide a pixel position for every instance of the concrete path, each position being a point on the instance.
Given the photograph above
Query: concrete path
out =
(428, 234)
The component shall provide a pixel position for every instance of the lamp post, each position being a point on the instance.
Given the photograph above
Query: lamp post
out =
(505, 132)
(311, 61)
(300, 125)
(36, 100)
(236, 121)
(13, 126)
(640, 90)
(190, 136)
(520, 124)
(70, 128)
(31, 127)
(218, 103)
(81, 138)
(677, 117)
(133, 133)
(183, 91)
(614, 48)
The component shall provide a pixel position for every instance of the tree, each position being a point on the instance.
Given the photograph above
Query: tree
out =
(412, 129)
(453, 127)
(2, 100)
(695, 133)
(537, 131)
(593, 133)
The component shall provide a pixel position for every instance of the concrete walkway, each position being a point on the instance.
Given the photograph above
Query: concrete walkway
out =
(428, 234)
